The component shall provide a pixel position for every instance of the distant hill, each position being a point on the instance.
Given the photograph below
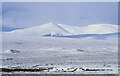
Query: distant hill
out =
(61, 30)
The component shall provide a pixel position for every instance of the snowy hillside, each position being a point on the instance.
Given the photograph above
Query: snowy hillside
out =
(52, 29)
(91, 29)
(41, 30)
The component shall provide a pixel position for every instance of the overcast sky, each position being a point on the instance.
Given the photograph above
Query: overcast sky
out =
(30, 14)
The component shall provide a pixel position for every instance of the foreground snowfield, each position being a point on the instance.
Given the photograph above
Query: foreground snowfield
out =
(61, 49)
(60, 55)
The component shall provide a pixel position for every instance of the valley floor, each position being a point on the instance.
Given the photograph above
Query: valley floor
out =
(54, 55)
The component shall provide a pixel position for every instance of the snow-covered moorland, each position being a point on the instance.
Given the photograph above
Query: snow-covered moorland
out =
(55, 49)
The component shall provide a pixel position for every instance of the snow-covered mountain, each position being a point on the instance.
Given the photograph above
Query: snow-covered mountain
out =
(45, 29)
(52, 29)
(91, 29)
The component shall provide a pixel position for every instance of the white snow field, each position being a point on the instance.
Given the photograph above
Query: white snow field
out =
(29, 51)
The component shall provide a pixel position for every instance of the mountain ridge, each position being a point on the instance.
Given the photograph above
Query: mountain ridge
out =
(63, 30)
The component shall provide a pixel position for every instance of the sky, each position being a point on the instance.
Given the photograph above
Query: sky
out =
(18, 15)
